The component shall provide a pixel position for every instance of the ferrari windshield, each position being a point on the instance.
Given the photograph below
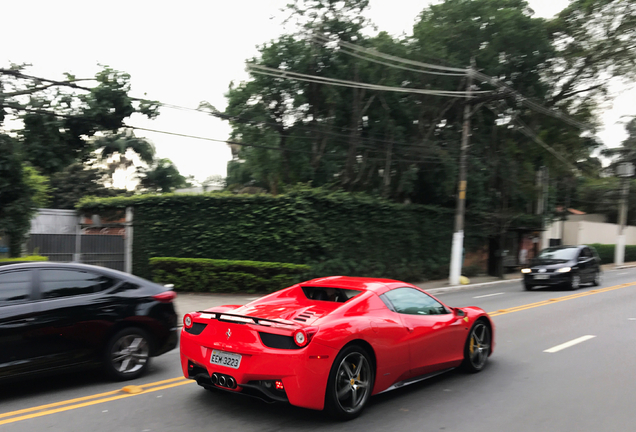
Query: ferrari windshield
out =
(557, 254)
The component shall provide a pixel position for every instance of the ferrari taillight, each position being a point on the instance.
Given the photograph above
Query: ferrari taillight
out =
(303, 336)
(300, 338)
(187, 321)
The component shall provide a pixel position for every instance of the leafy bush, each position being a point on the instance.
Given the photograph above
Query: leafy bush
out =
(208, 275)
(335, 233)
(25, 259)
(606, 252)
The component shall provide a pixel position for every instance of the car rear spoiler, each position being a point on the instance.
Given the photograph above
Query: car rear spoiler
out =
(246, 319)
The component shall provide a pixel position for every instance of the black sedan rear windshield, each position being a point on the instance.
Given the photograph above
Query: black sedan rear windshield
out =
(565, 254)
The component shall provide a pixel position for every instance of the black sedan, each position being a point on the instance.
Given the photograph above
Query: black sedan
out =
(57, 316)
(569, 266)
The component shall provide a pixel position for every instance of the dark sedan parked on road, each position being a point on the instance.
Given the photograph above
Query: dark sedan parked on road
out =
(570, 266)
(57, 316)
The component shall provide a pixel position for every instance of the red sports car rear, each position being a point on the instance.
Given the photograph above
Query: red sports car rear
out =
(332, 342)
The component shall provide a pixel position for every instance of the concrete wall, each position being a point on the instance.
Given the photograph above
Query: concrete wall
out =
(572, 232)
(587, 218)
(584, 232)
(552, 231)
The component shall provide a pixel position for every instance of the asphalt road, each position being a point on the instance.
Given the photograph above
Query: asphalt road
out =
(584, 386)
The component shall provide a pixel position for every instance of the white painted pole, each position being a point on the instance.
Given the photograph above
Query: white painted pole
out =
(458, 235)
(456, 258)
(619, 252)
(77, 256)
(128, 240)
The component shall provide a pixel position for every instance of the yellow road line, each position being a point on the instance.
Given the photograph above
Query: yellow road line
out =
(175, 382)
(559, 299)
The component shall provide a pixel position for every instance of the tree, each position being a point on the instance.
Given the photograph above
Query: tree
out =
(64, 122)
(162, 176)
(77, 181)
(213, 180)
(538, 85)
(17, 203)
(60, 118)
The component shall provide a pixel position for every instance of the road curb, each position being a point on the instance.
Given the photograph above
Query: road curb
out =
(624, 267)
(467, 286)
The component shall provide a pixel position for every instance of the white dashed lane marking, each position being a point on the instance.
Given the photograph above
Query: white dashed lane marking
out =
(488, 295)
(569, 344)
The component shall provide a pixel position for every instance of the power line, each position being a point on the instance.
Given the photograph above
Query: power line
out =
(394, 58)
(494, 81)
(533, 105)
(352, 84)
(427, 157)
(527, 131)
(303, 127)
(396, 66)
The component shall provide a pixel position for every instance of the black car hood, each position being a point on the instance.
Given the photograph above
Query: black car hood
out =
(551, 264)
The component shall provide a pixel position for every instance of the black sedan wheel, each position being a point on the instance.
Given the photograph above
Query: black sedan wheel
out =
(350, 383)
(575, 281)
(477, 347)
(128, 354)
(597, 279)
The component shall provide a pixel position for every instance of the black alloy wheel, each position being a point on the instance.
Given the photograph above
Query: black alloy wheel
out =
(575, 281)
(350, 383)
(477, 348)
(127, 354)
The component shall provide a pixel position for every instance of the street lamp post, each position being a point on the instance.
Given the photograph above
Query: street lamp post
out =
(625, 171)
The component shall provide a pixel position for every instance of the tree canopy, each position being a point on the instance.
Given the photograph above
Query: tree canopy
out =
(538, 84)
(71, 137)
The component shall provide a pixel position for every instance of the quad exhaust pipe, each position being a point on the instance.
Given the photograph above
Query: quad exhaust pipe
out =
(223, 380)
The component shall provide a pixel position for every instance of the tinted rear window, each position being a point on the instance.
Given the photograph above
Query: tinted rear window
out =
(338, 295)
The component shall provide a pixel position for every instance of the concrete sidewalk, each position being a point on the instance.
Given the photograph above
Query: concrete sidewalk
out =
(189, 302)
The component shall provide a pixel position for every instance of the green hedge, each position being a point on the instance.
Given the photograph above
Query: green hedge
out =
(335, 233)
(26, 258)
(208, 275)
(606, 252)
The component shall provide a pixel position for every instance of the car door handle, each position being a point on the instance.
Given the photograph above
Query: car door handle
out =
(107, 309)
(410, 329)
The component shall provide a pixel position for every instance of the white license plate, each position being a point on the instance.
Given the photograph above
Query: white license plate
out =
(225, 359)
(542, 276)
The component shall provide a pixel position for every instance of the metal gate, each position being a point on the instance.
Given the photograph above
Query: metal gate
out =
(96, 249)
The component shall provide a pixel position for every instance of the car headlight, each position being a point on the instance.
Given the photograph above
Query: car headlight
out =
(564, 269)
(525, 270)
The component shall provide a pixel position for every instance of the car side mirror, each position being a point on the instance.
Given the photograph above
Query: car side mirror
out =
(581, 259)
(458, 312)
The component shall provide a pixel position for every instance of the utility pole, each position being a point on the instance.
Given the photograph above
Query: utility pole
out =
(458, 235)
(625, 171)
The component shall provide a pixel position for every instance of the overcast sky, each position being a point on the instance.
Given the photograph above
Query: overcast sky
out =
(185, 52)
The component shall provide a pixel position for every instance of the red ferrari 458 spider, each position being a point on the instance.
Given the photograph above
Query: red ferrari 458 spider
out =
(331, 343)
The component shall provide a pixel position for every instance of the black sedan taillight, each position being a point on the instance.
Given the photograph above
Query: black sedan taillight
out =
(165, 297)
